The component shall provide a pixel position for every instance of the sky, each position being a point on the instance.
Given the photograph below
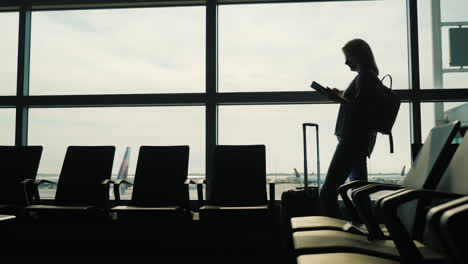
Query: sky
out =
(262, 47)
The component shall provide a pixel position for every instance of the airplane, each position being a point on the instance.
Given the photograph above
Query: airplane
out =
(123, 171)
(297, 173)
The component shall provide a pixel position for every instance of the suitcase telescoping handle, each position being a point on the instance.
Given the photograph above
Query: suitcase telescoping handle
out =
(304, 126)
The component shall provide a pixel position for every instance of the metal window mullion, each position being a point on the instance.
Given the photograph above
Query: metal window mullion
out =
(22, 88)
(437, 58)
(414, 74)
(211, 85)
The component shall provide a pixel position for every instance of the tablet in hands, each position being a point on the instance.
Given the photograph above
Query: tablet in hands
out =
(329, 93)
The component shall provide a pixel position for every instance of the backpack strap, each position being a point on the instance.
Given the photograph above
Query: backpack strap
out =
(390, 138)
(391, 80)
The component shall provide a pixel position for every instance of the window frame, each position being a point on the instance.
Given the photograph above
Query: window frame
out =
(211, 98)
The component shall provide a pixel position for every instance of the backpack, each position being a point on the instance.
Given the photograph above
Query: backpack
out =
(384, 109)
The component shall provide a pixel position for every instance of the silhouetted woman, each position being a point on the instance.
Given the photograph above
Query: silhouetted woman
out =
(355, 139)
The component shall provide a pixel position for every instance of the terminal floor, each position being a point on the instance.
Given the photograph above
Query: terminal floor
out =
(193, 242)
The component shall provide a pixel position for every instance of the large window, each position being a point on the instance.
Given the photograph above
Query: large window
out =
(436, 19)
(269, 47)
(154, 50)
(283, 47)
(7, 125)
(56, 129)
(8, 53)
(279, 128)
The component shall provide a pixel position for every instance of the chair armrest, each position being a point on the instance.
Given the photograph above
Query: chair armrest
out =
(199, 181)
(107, 182)
(362, 203)
(367, 190)
(28, 181)
(118, 182)
(271, 184)
(186, 202)
(105, 188)
(343, 192)
(434, 219)
(117, 188)
(451, 234)
(39, 182)
(396, 199)
(389, 210)
(378, 202)
(28, 188)
(199, 184)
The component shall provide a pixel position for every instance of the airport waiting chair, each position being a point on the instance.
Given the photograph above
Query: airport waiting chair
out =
(82, 188)
(160, 187)
(237, 190)
(453, 232)
(19, 170)
(425, 173)
(440, 220)
(402, 247)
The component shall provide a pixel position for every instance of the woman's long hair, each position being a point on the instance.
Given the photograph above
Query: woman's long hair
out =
(363, 52)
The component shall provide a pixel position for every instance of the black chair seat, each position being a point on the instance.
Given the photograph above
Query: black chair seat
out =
(343, 258)
(6, 218)
(308, 223)
(234, 214)
(162, 214)
(316, 222)
(235, 208)
(55, 208)
(320, 241)
(165, 209)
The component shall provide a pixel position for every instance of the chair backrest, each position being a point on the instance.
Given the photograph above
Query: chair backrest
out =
(83, 171)
(160, 175)
(18, 164)
(455, 177)
(239, 176)
(431, 160)
(427, 169)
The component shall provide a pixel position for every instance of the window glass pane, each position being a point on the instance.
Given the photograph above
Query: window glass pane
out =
(56, 129)
(279, 128)
(7, 125)
(8, 53)
(434, 43)
(283, 47)
(143, 50)
(442, 113)
(453, 10)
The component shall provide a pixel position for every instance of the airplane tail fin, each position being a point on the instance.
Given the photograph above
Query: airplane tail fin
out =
(123, 171)
(298, 175)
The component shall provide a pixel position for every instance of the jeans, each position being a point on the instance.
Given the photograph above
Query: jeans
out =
(349, 160)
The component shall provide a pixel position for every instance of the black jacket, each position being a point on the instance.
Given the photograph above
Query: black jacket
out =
(352, 121)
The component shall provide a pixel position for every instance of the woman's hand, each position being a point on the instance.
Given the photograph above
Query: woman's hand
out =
(336, 95)
(339, 92)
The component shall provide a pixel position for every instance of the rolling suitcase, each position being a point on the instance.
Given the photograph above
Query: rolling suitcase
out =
(301, 201)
